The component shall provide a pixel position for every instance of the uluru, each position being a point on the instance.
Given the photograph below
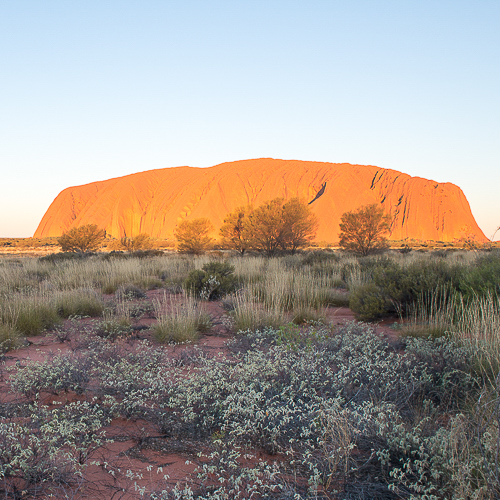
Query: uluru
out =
(155, 201)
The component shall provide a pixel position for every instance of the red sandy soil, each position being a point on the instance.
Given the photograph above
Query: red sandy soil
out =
(138, 446)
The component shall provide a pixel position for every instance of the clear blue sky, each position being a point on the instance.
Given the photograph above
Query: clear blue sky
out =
(97, 89)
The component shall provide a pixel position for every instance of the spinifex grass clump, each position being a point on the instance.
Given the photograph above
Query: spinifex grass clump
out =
(474, 323)
(83, 302)
(286, 290)
(10, 338)
(30, 314)
(179, 321)
(249, 314)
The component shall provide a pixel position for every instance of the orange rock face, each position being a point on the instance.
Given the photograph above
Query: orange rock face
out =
(155, 201)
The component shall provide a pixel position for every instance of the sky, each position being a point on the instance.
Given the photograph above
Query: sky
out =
(99, 89)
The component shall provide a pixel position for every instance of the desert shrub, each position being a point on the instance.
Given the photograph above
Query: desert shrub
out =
(368, 302)
(113, 328)
(42, 454)
(482, 277)
(212, 282)
(129, 292)
(87, 238)
(222, 476)
(59, 373)
(334, 404)
(142, 310)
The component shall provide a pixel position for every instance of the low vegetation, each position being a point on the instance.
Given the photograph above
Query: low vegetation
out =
(86, 238)
(296, 404)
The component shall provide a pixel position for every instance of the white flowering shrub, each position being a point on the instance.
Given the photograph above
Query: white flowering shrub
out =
(302, 413)
(48, 448)
(225, 478)
(63, 372)
(283, 394)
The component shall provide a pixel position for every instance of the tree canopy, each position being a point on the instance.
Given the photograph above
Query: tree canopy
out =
(192, 235)
(363, 230)
(140, 242)
(271, 227)
(86, 238)
(300, 225)
(234, 232)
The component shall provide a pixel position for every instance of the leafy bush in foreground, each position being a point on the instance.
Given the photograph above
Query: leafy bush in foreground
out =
(347, 414)
(212, 282)
(49, 448)
(284, 398)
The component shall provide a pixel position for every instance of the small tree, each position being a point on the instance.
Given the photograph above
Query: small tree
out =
(279, 225)
(86, 238)
(299, 225)
(192, 235)
(363, 231)
(140, 242)
(265, 226)
(234, 231)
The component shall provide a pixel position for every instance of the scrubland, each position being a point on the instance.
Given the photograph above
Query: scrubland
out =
(231, 377)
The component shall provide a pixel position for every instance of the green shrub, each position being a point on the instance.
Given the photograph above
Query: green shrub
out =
(111, 329)
(109, 288)
(149, 282)
(401, 286)
(317, 257)
(129, 292)
(146, 254)
(214, 281)
(336, 298)
(368, 302)
(482, 277)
